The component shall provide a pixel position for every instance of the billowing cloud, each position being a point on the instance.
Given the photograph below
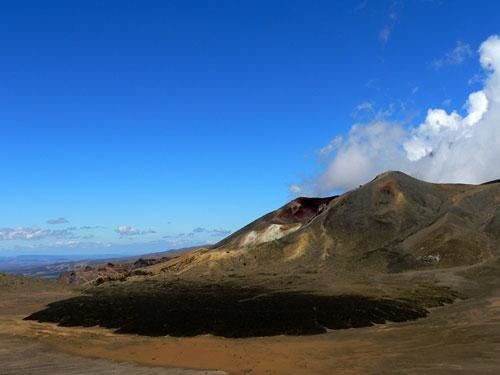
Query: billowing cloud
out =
(440, 126)
(445, 147)
(367, 149)
(456, 56)
(127, 230)
(59, 220)
(22, 233)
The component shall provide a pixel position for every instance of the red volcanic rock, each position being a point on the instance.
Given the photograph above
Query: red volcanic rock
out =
(301, 210)
(288, 218)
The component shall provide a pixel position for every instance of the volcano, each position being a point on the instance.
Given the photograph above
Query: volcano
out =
(395, 223)
(389, 250)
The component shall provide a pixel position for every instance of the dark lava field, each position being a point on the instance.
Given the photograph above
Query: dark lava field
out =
(224, 310)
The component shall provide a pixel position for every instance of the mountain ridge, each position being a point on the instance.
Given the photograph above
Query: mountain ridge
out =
(393, 223)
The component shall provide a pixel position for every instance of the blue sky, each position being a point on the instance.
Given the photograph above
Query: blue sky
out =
(163, 124)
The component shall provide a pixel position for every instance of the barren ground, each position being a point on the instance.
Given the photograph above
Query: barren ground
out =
(463, 337)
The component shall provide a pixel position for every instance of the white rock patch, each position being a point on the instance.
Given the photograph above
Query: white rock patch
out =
(272, 232)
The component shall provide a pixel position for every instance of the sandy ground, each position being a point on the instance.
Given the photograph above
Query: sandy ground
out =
(459, 338)
(24, 356)
(27, 349)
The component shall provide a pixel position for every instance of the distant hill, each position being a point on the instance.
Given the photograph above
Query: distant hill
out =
(13, 263)
(53, 266)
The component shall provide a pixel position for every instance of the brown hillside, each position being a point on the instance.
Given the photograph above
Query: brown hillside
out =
(393, 223)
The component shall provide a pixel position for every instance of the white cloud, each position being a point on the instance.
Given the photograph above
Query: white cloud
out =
(390, 15)
(366, 149)
(25, 233)
(211, 232)
(295, 189)
(127, 230)
(447, 102)
(89, 227)
(219, 233)
(385, 34)
(364, 108)
(59, 220)
(198, 233)
(445, 147)
(22, 233)
(93, 249)
(331, 147)
(67, 243)
(456, 56)
(439, 127)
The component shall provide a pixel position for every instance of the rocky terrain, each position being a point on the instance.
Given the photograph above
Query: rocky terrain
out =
(97, 274)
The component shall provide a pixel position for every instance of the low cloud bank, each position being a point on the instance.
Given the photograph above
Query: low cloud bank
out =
(445, 147)
(127, 230)
(59, 220)
(24, 233)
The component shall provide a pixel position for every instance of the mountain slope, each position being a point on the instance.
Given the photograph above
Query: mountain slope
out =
(393, 223)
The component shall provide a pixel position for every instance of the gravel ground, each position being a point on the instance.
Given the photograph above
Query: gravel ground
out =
(19, 356)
